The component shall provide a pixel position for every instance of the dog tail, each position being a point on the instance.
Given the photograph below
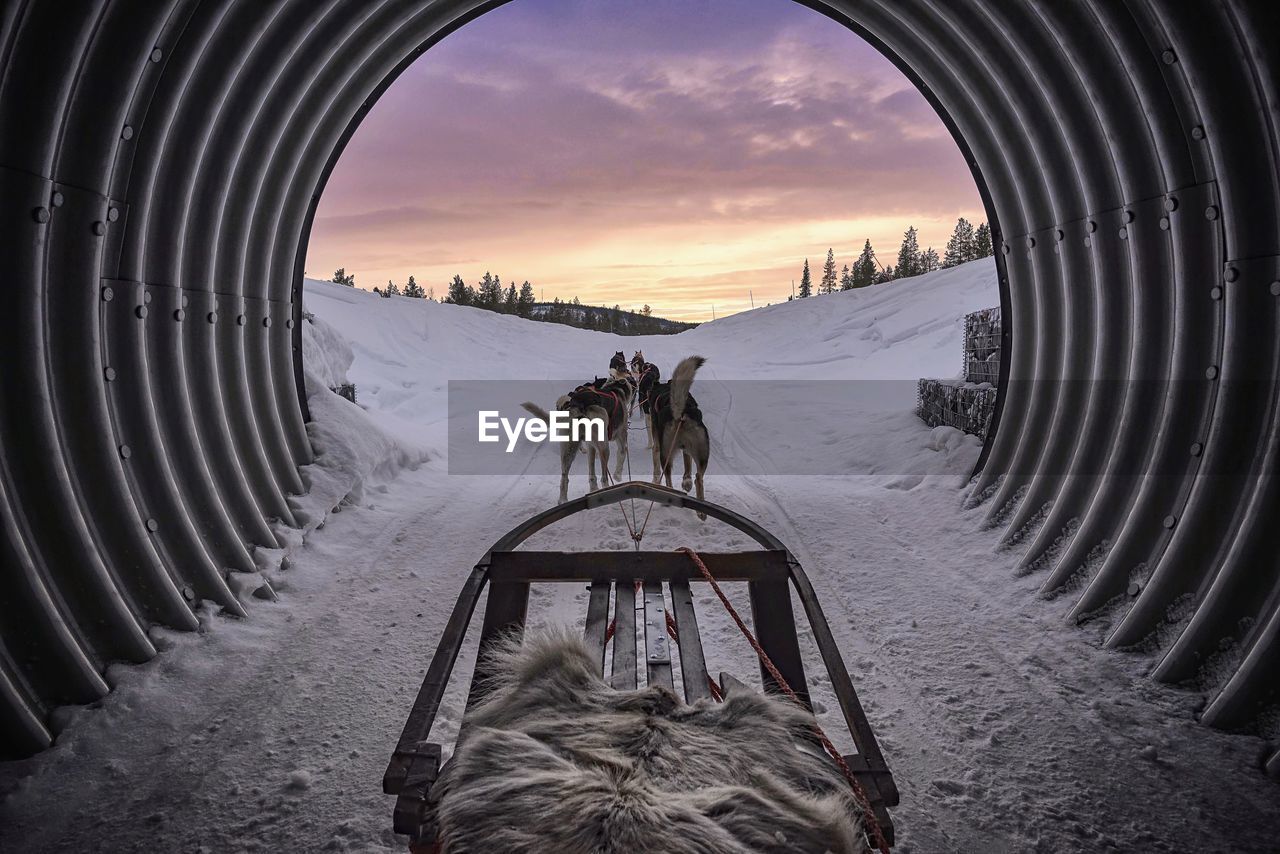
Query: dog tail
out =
(537, 411)
(681, 380)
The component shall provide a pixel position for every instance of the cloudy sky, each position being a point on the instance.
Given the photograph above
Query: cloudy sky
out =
(680, 153)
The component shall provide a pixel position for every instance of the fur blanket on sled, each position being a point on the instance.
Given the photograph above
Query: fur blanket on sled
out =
(556, 760)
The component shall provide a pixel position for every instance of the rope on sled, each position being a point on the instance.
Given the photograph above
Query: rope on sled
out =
(859, 794)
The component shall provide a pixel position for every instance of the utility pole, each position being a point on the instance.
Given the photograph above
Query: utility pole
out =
(793, 288)
(713, 312)
(751, 297)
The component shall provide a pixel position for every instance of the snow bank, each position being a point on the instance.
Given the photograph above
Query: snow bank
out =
(352, 451)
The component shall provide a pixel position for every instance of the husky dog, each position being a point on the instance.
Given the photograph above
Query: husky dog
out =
(617, 366)
(677, 425)
(606, 400)
(647, 376)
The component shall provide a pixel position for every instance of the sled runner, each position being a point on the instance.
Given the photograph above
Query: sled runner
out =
(640, 584)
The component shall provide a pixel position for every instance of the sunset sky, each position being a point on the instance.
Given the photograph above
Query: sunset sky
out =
(679, 153)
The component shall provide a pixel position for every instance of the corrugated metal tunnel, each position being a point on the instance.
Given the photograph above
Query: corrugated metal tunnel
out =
(160, 162)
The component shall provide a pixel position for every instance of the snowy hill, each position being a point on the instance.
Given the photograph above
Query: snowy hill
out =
(824, 357)
(1006, 728)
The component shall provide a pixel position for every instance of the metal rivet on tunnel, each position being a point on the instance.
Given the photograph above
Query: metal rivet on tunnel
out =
(1215, 292)
(126, 132)
(108, 294)
(58, 199)
(212, 317)
(1091, 226)
(1275, 289)
(188, 593)
(1031, 243)
(1060, 234)
(126, 451)
(40, 214)
(1169, 521)
(146, 296)
(1171, 204)
(153, 525)
(1196, 449)
(1128, 216)
(288, 324)
(1005, 248)
(240, 319)
(1168, 57)
(157, 55)
(1231, 274)
(1211, 212)
(1088, 241)
(1124, 233)
(266, 321)
(1164, 223)
(185, 300)
(113, 214)
(141, 311)
(179, 315)
(109, 373)
(1211, 372)
(1197, 132)
(1134, 588)
(99, 227)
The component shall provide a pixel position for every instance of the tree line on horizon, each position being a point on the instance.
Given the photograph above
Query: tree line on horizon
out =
(966, 243)
(490, 295)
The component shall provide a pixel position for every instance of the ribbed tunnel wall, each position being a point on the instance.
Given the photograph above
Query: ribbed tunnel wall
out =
(160, 161)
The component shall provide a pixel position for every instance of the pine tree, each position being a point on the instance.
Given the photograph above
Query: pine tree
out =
(392, 290)
(982, 242)
(865, 269)
(908, 255)
(929, 260)
(524, 304)
(806, 283)
(888, 274)
(511, 302)
(846, 279)
(828, 284)
(459, 293)
(413, 289)
(341, 277)
(646, 311)
(960, 248)
(489, 293)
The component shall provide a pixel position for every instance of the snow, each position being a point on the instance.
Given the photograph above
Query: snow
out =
(1006, 728)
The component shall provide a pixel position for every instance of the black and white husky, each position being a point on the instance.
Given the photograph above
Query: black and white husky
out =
(677, 426)
(646, 376)
(606, 400)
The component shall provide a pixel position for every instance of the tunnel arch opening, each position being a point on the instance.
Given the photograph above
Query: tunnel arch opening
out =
(172, 161)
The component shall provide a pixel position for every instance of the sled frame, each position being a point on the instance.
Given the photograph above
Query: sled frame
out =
(772, 573)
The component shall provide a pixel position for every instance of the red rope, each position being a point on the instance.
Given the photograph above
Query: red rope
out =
(869, 815)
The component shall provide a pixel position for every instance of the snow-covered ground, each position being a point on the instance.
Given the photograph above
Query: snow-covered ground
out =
(1007, 729)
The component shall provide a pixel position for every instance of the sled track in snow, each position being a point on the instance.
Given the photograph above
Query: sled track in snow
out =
(161, 162)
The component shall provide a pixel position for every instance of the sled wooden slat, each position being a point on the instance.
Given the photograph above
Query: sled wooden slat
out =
(412, 746)
(618, 566)
(775, 628)
(693, 665)
(624, 636)
(505, 614)
(597, 623)
(854, 715)
(657, 646)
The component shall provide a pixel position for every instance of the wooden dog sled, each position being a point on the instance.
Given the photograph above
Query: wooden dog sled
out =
(624, 576)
